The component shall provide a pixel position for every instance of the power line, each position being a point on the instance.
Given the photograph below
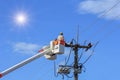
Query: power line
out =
(81, 53)
(109, 34)
(90, 54)
(68, 56)
(77, 68)
(99, 30)
(95, 21)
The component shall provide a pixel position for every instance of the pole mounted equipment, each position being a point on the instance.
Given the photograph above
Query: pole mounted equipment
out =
(77, 68)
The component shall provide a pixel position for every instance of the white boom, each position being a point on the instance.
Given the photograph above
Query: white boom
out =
(47, 51)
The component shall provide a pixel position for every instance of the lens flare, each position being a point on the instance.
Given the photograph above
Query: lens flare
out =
(21, 19)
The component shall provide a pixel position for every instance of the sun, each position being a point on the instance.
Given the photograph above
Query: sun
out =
(20, 19)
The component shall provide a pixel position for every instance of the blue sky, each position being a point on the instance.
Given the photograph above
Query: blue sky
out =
(45, 19)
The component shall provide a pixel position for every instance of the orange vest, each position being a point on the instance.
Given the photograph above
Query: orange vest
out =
(55, 42)
(59, 41)
(62, 42)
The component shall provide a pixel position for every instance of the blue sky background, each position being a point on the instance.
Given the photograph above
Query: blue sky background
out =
(45, 19)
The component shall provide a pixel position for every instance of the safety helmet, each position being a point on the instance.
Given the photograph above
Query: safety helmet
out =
(61, 33)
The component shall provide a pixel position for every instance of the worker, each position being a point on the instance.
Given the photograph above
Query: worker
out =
(61, 39)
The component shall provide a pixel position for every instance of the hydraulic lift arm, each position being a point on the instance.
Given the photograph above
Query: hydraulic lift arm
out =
(38, 55)
(50, 52)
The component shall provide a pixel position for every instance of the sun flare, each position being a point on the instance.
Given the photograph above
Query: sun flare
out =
(21, 18)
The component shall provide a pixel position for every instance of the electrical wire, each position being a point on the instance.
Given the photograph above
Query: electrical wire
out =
(77, 36)
(70, 50)
(96, 43)
(103, 27)
(108, 34)
(90, 54)
(84, 68)
(95, 21)
(81, 55)
(68, 56)
(88, 57)
(69, 76)
(81, 52)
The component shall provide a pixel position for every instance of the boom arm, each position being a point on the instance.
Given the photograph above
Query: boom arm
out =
(40, 54)
(49, 52)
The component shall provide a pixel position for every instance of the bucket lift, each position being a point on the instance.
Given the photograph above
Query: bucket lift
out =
(55, 49)
(50, 52)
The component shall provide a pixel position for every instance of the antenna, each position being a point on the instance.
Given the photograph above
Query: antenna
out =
(77, 39)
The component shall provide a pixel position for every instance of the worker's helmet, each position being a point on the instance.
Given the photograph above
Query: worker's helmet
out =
(61, 33)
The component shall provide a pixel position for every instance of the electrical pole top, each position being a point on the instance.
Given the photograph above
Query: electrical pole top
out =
(76, 46)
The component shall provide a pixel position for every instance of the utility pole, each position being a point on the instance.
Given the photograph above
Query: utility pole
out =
(76, 67)
(75, 63)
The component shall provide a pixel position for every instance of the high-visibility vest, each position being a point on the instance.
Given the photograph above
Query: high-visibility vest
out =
(56, 42)
(62, 42)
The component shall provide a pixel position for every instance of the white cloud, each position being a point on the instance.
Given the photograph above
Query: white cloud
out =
(25, 48)
(100, 7)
